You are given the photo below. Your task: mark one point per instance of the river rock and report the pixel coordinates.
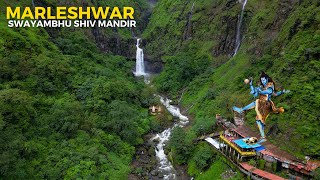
(149, 144)
(156, 140)
(154, 173)
(148, 167)
(153, 160)
(160, 175)
(166, 151)
(144, 161)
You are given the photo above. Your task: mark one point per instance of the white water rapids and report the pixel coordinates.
(238, 35)
(165, 166)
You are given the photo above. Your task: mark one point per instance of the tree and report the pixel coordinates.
(124, 121)
(180, 144)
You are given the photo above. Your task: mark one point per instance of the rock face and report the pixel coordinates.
(227, 38)
(218, 19)
(112, 42)
(153, 66)
(117, 41)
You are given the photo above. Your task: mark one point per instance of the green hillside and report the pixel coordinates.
(70, 107)
(279, 37)
(68, 110)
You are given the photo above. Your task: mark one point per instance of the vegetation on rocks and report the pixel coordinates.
(70, 107)
(279, 37)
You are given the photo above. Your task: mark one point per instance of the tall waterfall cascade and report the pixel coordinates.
(165, 166)
(238, 35)
(140, 70)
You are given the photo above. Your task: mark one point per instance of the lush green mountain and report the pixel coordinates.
(68, 110)
(70, 107)
(196, 45)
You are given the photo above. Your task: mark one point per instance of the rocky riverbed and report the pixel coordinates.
(145, 163)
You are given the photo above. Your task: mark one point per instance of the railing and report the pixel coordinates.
(236, 148)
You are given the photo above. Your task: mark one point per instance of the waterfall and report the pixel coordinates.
(188, 29)
(165, 166)
(139, 60)
(238, 36)
(140, 70)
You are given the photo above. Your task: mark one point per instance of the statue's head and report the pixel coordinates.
(265, 79)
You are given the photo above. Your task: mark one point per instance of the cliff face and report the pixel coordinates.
(177, 24)
(121, 41)
(280, 37)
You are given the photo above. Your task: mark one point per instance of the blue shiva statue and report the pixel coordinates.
(263, 104)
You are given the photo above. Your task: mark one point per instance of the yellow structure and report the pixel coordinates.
(233, 146)
(154, 110)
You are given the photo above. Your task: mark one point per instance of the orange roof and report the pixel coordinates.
(260, 172)
(312, 165)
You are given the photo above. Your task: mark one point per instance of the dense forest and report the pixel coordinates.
(71, 108)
